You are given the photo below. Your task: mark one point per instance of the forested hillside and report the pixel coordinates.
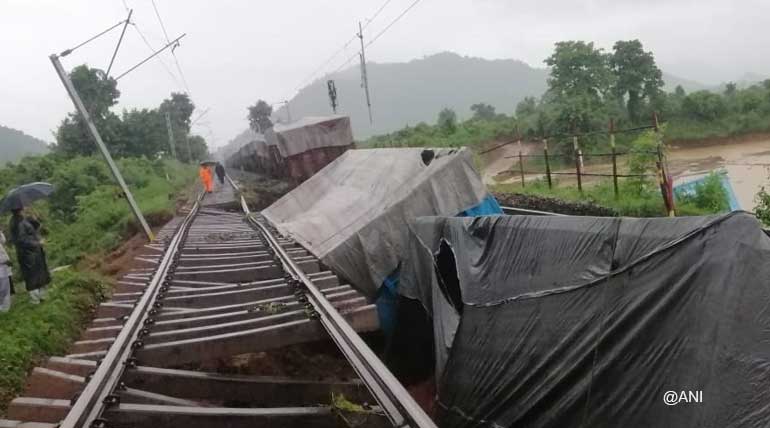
(413, 92)
(15, 144)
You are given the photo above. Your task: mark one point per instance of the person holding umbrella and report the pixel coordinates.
(220, 170)
(6, 286)
(24, 234)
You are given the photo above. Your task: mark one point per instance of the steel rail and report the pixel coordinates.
(97, 394)
(395, 400)
(525, 211)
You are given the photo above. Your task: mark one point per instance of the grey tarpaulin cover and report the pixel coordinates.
(354, 214)
(588, 322)
(310, 133)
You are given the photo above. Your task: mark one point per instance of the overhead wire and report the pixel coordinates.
(343, 48)
(162, 27)
(70, 50)
(149, 46)
(176, 60)
(374, 39)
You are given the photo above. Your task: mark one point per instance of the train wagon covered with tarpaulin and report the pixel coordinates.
(309, 144)
(354, 214)
(596, 322)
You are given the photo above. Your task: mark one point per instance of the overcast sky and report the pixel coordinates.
(237, 51)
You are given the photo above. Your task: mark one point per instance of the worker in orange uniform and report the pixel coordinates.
(205, 174)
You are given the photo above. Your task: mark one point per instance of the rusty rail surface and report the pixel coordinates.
(216, 285)
(400, 407)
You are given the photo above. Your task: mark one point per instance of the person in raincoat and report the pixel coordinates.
(220, 170)
(29, 250)
(205, 174)
(6, 284)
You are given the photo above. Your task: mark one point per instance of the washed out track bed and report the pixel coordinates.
(205, 331)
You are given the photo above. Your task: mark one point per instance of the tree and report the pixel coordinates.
(704, 105)
(636, 76)
(483, 111)
(259, 116)
(180, 109)
(143, 134)
(579, 82)
(198, 147)
(731, 89)
(578, 69)
(526, 107)
(447, 120)
(98, 93)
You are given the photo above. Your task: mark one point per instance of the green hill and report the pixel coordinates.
(415, 91)
(15, 144)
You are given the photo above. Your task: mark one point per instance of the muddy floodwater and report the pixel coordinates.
(747, 164)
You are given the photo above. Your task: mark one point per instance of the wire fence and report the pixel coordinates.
(549, 165)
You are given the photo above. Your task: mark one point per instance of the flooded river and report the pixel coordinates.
(747, 164)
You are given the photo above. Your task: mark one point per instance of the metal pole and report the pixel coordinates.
(70, 87)
(332, 94)
(578, 161)
(151, 56)
(364, 77)
(171, 136)
(521, 168)
(614, 158)
(547, 163)
(122, 33)
(288, 111)
(665, 186)
(189, 150)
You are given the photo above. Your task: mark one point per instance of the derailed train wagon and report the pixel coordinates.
(595, 322)
(309, 144)
(297, 150)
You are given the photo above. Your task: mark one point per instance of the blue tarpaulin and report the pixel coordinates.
(689, 188)
(387, 296)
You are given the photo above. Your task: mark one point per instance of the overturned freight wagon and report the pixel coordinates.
(300, 149)
(595, 322)
(354, 214)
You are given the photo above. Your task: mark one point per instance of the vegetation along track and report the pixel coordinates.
(216, 284)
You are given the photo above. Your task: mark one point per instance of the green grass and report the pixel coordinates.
(634, 199)
(86, 217)
(29, 333)
(87, 213)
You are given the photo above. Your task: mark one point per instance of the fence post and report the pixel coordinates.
(614, 158)
(578, 159)
(666, 188)
(547, 163)
(521, 168)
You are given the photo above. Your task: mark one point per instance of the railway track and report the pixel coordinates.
(217, 284)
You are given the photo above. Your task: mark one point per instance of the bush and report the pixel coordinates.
(709, 195)
(87, 213)
(762, 210)
(29, 332)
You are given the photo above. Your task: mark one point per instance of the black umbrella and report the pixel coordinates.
(24, 195)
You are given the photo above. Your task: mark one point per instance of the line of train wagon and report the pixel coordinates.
(297, 150)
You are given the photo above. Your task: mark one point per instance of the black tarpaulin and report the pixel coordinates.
(588, 322)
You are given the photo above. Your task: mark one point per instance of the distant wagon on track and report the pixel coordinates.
(296, 150)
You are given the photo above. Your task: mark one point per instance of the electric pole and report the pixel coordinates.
(332, 94)
(171, 136)
(73, 93)
(364, 77)
(288, 111)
